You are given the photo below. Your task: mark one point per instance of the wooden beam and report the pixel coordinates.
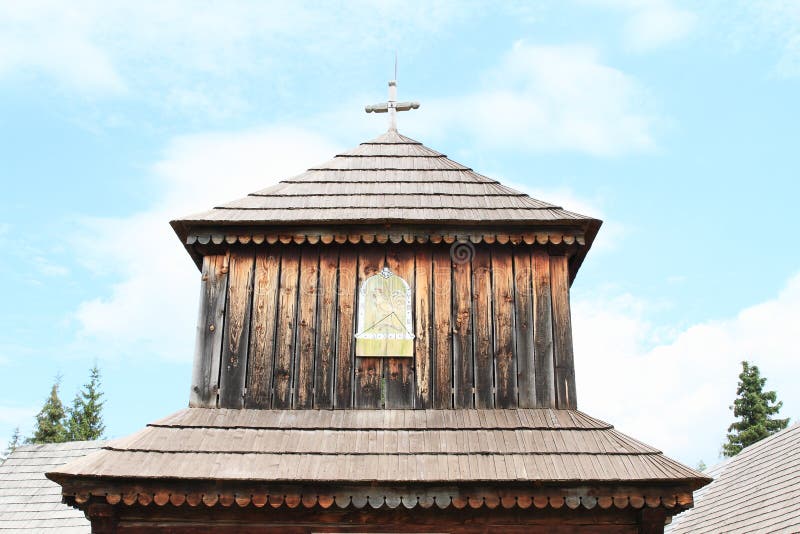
(482, 317)
(208, 344)
(523, 328)
(461, 304)
(652, 520)
(543, 331)
(423, 328)
(306, 327)
(566, 397)
(503, 323)
(286, 328)
(369, 371)
(260, 358)
(399, 372)
(443, 359)
(325, 366)
(237, 330)
(346, 310)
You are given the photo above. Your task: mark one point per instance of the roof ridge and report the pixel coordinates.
(346, 155)
(434, 194)
(460, 208)
(372, 169)
(311, 428)
(388, 453)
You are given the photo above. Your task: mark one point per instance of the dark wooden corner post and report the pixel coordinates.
(208, 347)
(564, 365)
(652, 520)
(103, 518)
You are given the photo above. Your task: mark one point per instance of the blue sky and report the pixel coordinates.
(674, 122)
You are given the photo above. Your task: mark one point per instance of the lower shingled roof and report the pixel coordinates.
(755, 491)
(31, 503)
(382, 446)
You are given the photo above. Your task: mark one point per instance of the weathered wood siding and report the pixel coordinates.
(277, 323)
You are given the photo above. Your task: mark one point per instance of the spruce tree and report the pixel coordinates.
(13, 443)
(85, 416)
(50, 420)
(754, 409)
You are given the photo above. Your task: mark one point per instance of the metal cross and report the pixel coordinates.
(392, 106)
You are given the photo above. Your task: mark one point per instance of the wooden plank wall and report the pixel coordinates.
(277, 323)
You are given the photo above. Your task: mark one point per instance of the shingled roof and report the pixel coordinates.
(395, 448)
(391, 178)
(393, 182)
(755, 491)
(31, 503)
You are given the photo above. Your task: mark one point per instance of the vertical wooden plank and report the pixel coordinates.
(543, 331)
(237, 330)
(562, 335)
(346, 310)
(369, 371)
(286, 327)
(482, 318)
(503, 321)
(398, 372)
(306, 328)
(208, 344)
(463, 358)
(260, 357)
(442, 330)
(523, 328)
(326, 324)
(422, 318)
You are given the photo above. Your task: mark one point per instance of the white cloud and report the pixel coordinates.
(151, 310)
(55, 38)
(652, 24)
(549, 98)
(675, 394)
(198, 54)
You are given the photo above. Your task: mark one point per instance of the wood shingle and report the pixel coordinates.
(29, 502)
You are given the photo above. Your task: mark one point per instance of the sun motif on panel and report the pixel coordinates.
(384, 317)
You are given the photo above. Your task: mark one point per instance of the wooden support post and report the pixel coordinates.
(463, 363)
(286, 328)
(399, 372)
(444, 358)
(369, 371)
(523, 328)
(260, 358)
(652, 520)
(102, 517)
(208, 346)
(346, 310)
(562, 335)
(306, 328)
(543, 331)
(237, 330)
(424, 329)
(482, 323)
(503, 323)
(326, 329)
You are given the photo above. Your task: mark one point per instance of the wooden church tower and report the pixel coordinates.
(383, 344)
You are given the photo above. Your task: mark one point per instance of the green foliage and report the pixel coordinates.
(13, 443)
(701, 466)
(754, 409)
(85, 420)
(50, 420)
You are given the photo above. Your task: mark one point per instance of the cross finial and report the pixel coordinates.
(392, 106)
